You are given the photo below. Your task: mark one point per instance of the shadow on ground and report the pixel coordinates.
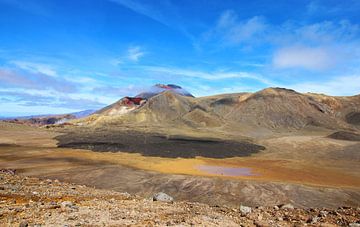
(157, 145)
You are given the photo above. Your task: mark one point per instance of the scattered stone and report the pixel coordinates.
(314, 220)
(24, 224)
(244, 210)
(162, 197)
(287, 206)
(67, 204)
(8, 171)
(323, 213)
(95, 207)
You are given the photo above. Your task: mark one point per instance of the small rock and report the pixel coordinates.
(163, 197)
(67, 204)
(354, 225)
(245, 210)
(126, 194)
(314, 220)
(276, 208)
(323, 213)
(287, 206)
(24, 224)
(261, 224)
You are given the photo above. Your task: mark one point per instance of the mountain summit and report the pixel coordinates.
(159, 88)
(128, 104)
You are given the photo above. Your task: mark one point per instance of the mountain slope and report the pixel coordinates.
(272, 109)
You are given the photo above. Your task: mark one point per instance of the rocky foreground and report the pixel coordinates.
(28, 201)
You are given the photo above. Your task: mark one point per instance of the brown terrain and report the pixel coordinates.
(272, 147)
(34, 202)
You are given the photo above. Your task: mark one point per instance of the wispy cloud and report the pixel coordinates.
(113, 91)
(212, 76)
(143, 8)
(340, 85)
(35, 67)
(63, 101)
(163, 12)
(336, 7)
(23, 79)
(233, 31)
(304, 57)
(135, 53)
(312, 46)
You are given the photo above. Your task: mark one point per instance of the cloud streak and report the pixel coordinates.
(211, 76)
(35, 67)
(23, 79)
(135, 53)
(64, 101)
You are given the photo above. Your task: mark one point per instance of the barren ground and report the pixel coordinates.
(307, 171)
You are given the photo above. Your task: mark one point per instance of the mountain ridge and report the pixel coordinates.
(271, 109)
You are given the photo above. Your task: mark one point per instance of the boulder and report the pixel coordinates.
(245, 210)
(163, 197)
(287, 206)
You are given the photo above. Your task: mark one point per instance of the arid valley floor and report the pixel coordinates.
(306, 179)
(298, 149)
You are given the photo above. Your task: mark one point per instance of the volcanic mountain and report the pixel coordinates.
(127, 104)
(268, 110)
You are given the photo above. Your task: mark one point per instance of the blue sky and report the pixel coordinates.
(61, 56)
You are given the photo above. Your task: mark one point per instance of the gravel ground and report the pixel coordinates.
(28, 201)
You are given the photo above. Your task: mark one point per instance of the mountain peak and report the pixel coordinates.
(159, 88)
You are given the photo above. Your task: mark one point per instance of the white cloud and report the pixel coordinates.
(216, 75)
(142, 8)
(233, 31)
(325, 32)
(116, 61)
(135, 53)
(304, 57)
(36, 67)
(163, 12)
(341, 85)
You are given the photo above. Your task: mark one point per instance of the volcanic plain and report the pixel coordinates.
(272, 147)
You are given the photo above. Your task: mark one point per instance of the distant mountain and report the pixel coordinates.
(83, 113)
(268, 110)
(46, 119)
